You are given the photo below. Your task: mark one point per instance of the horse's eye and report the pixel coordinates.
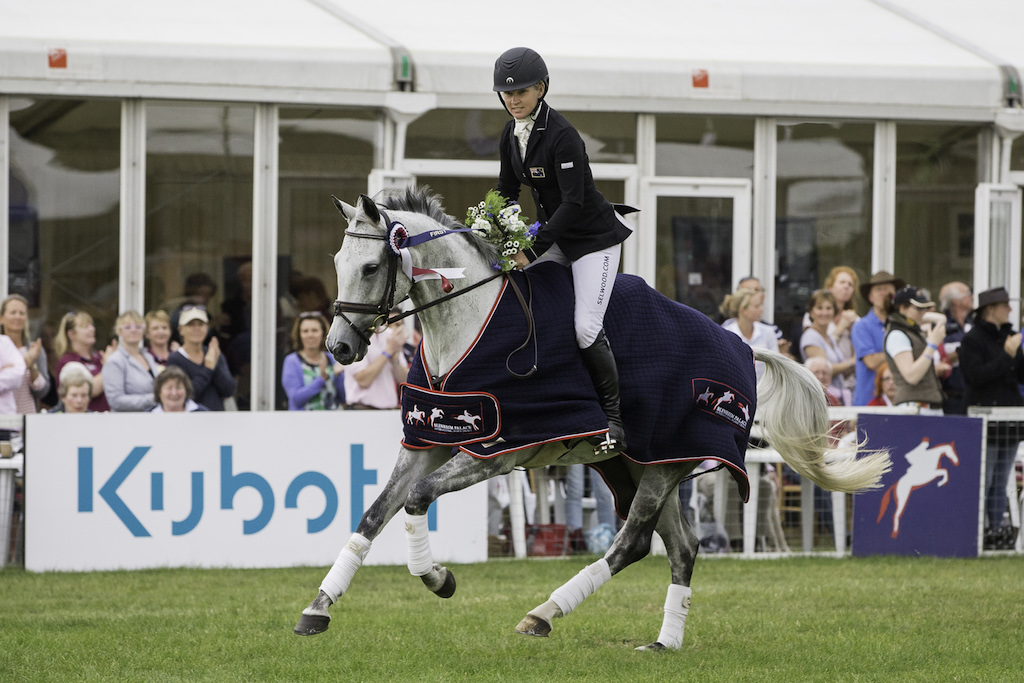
(369, 269)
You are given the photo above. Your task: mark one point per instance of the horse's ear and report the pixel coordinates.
(369, 209)
(347, 210)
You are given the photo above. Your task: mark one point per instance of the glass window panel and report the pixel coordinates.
(322, 152)
(199, 180)
(704, 146)
(475, 134)
(823, 211)
(694, 253)
(64, 212)
(1017, 154)
(936, 175)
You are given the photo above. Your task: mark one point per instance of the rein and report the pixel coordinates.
(398, 240)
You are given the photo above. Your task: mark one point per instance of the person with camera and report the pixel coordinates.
(911, 351)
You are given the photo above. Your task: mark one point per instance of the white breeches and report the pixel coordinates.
(593, 277)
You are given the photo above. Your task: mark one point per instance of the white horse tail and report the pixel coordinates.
(793, 413)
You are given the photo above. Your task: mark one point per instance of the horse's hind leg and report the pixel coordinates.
(632, 543)
(682, 546)
(410, 467)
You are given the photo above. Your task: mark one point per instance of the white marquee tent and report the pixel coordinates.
(926, 59)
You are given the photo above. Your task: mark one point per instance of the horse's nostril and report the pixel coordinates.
(342, 350)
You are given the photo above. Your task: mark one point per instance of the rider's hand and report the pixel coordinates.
(521, 260)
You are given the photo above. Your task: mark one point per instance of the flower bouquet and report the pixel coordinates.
(503, 225)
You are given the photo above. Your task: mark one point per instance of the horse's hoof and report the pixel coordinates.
(653, 647)
(312, 624)
(447, 588)
(533, 626)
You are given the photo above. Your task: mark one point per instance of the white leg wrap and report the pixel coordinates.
(578, 588)
(349, 560)
(677, 606)
(420, 560)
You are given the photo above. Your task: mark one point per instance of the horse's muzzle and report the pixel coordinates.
(344, 344)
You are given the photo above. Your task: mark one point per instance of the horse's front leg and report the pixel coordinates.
(632, 543)
(411, 466)
(460, 472)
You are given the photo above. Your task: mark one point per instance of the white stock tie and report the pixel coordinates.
(522, 133)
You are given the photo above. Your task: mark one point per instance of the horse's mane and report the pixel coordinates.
(424, 200)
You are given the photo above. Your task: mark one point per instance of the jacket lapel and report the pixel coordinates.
(539, 125)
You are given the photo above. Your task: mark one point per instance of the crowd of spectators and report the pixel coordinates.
(905, 352)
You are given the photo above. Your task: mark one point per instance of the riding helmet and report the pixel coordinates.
(518, 68)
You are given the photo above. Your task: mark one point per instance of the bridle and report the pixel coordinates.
(398, 239)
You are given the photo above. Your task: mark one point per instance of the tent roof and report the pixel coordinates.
(853, 58)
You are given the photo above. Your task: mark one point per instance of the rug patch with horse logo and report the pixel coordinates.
(722, 401)
(434, 418)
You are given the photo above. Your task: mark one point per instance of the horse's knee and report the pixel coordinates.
(419, 499)
(626, 550)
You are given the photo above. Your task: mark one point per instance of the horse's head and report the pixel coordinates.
(370, 280)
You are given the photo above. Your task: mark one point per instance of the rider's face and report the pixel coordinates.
(521, 103)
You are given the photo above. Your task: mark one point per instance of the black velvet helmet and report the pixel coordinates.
(519, 68)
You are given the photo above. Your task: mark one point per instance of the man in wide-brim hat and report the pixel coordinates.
(868, 333)
(993, 368)
(882, 277)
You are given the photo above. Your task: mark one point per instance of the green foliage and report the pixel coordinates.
(502, 225)
(816, 619)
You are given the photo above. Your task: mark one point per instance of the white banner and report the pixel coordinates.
(139, 490)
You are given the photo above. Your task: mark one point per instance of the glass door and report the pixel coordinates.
(997, 240)
(697, 238)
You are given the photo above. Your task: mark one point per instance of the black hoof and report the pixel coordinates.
(653, 647)
(312, 624)
(447, 589)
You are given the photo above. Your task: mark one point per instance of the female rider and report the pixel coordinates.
(580, 228)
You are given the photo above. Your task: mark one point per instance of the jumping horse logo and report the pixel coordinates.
(726, 398)
(469, 419)
(924, 468)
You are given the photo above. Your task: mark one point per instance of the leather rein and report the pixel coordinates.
(382, 309)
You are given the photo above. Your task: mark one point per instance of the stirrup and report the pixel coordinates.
(604, 444)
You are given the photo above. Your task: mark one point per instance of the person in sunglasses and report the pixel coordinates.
(130, 370)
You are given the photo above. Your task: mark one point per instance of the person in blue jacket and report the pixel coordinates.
(579, 227)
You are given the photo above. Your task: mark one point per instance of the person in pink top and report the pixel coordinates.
(76, 337)
(36, 382)
(12, 373)
(372, 383)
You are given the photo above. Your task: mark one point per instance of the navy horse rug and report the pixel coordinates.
(687, 387)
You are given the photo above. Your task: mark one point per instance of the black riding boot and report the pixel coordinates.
(601, 365)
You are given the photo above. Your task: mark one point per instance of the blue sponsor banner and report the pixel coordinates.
(929, 503)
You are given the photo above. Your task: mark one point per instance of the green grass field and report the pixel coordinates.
(815, 619)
